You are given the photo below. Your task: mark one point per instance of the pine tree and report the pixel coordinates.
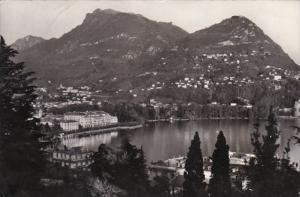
(193, 185)
(220, 185)
(21, 158)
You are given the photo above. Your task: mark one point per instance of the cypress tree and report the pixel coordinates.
(220, 185)
(21, 159)
(193, 185)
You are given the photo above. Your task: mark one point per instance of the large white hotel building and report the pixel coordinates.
(91, 118)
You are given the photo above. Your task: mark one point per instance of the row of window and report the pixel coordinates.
(68, 156)
(76, 164)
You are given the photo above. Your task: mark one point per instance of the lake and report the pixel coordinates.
(164, 140)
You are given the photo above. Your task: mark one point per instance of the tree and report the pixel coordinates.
(180, 111)
(56, 126)
(125, 168)
(269, 175)
(45, 128)
(102, 165)
(288, 176)
(161, 187)
(263, 168)
(131, 173)
(22, 160)
(193, 185)
(220, 185)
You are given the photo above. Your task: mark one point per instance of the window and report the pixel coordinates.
(54, 155)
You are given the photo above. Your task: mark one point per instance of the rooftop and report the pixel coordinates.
(68, 121)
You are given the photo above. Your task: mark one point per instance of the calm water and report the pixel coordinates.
(164, 140)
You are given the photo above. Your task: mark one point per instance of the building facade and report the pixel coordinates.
(91, 119)
(69, 125)
(76, 116)
(73, 158)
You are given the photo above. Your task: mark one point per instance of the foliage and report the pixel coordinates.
(66, 182)
(102, 165)
(74, 107)
(22, 160)
(269, 175)
(193, 185)
(220, 185)
(161, 186)
(125, 168)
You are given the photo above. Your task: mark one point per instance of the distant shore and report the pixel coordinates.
(213, 118)
(193, 119)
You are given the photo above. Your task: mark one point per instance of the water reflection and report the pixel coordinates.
(164, 140)
(91, 142)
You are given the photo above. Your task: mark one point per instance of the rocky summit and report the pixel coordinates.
(26, 42)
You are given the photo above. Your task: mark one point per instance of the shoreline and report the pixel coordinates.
(141, 125)
(100, 131)
(215, 118)
(195, 119)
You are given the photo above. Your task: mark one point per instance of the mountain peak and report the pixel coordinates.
(106, 11)
(27, 42)
(237, 20)
(239, 17)
(235, 30)
(99, 15)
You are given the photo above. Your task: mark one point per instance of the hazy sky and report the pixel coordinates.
(279, 19)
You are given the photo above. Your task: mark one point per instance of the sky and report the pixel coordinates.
(279, 19)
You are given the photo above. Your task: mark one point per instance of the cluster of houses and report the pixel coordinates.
(80, 94)
(68, 95)
(272, 74)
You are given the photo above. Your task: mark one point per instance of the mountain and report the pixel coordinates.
(108, 45)
(234, 41)
(231, 59)
(26, 42)
(128, 56)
